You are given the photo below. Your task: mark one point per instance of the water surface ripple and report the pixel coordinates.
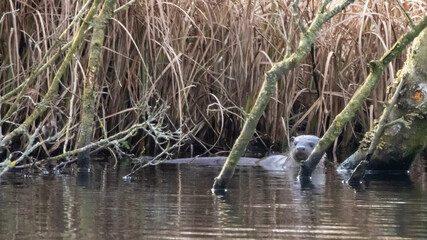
(174, 202)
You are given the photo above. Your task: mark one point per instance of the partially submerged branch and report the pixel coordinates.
(359, 171)
(402, 131)
(90, 83)
(167, 141)
(269, 86)
(8, 163)
(308, 166)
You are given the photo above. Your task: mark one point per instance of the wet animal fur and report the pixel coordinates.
(300, 148)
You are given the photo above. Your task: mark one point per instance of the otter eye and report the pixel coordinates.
(295, 143)
(312, 145)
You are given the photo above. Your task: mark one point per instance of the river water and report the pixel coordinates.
(175, 202)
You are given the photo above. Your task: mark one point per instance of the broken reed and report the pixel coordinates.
(206, 60)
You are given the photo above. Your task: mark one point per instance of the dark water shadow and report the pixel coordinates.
(17, 179)
(395, 179)
(400, 178)
(83, 179)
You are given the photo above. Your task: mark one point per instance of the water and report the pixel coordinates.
(174, 202)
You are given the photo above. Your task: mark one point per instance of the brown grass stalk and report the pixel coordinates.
(193, 54)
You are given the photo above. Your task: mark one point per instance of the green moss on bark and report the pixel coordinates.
(95, 58)
(308, 166)
(268, 88)
(53, 89)
(406, 132)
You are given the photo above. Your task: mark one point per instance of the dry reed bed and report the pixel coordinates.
(206, 60)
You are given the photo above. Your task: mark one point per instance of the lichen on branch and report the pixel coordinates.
(376, 69)
(269, 86)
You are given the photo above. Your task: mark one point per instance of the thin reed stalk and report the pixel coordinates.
(205, 60)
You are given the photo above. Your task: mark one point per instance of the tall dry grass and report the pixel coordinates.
(206, 60)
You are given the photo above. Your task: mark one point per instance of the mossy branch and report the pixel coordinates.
(173, 140)
(53, 89)
(28, 82)
(43, 64)
(268, 88)
(113, 140)
(377, 67)
(95, 59)
(296, 16)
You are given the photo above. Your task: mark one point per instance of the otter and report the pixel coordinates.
(302, 146)
(299, 150)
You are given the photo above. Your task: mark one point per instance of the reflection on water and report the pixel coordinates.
(174, 202)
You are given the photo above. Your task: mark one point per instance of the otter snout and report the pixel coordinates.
(300, 155)
(301, 149)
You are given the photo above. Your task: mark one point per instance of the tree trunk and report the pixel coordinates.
(308, 166)
(405, 133)
(88, 111)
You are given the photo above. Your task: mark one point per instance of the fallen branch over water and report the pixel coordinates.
(172, 139)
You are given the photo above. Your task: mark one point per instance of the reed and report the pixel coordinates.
(206, 60)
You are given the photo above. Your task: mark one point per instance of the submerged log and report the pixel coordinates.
(211, 161)
(405, 131)
(269, 163)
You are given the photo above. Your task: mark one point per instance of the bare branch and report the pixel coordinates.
(406, 13)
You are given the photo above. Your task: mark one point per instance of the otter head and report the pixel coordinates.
(302, 146)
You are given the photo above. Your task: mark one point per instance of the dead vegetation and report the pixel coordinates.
(204, 62)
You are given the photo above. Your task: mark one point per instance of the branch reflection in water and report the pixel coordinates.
(173, 201)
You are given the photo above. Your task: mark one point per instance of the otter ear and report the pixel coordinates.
(292, 139)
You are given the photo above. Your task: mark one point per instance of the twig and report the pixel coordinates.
(296, 16)
(44, 65)
(398, 121)
(29, 149)
(404, 11)
(382, 122)
(64, 164)
(125, 6)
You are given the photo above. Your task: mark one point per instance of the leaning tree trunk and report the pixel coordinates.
(278, 70)
(308, 166)
(88, 111)
(405, 130)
